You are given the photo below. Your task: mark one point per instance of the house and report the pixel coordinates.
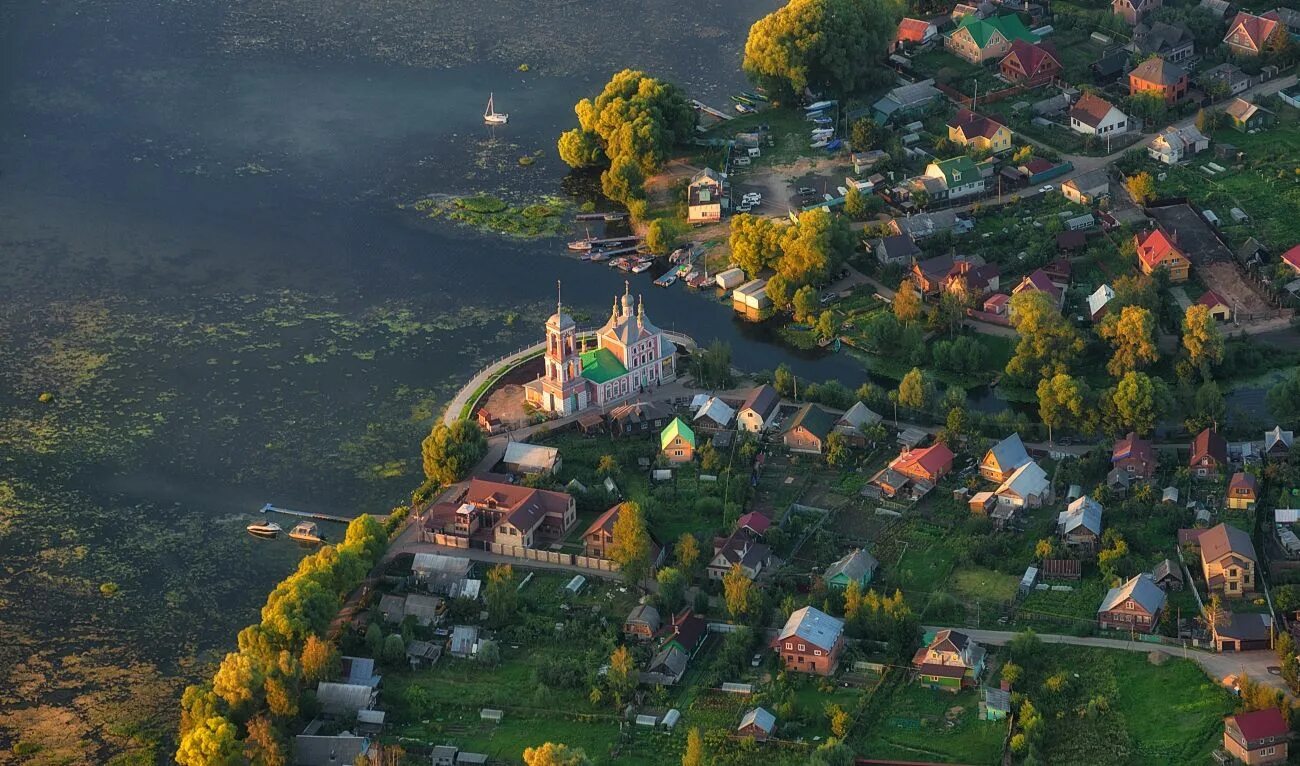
(972, 278)
(930, 274)
(1080, 524)
(1087, 188)
(810, 642)
(463, 642)
(1099, 302)
(1277, 443)
(359, 671)
(1093, 115)
(638, 418)
(978, 40)
(905, 100)
(759, 410)
(1135, 457)
(1243, 632)
(667, 666)
(897, 249)
(425, 610)
(516, 515)
(1027, 487)
(1219, 9)
(1109, 67)
(1216, 305)
(1004, 458)
(1245, 116)
(1172, 42)
(642, 622)
(340, 700)
(740, 547)
(1291, 258)
(335, 750)
(926, 465)
(1290, 18)
(951, 661)
(1030, 64)
(439, 573)
(677, 442)
(997, 304)
(959, 175)
(488, 422)
(755, 522)
(1039, 282)
(1228, 560)
(1135, 606)
(1157, 250)
(887, 483)
(1168, 575)
(808, 430)
(921, 225)
(1251, 35)
(855, 422)
(1163, 78)
(757, 723)
(1175, 144)
(1258, 737)
(983, 133)
(1133, 11)
(599, 537)
(531, 459)
(915, 32)
(1243, 491)
(706, 195)
(714, 414)
(855, 566)
(1224, 80)
(1209, 454)
(685, 632)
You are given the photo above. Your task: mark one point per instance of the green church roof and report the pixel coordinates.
(673, 430)
(601, 366)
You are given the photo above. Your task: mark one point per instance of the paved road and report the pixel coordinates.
(1218, 666)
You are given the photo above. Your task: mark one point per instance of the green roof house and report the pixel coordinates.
(677, 441)
(857, 566)
(960, 177)
(978, 40)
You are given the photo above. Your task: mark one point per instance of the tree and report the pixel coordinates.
(210, 743)
(687, 551)
(554, 754)
(607, 466)
(865, 135)
(489, 653)
(282, 696)
(840, 720)
(1011, 673)
(855, 204)
(1135, 403)
(451, 451)
(263, 745)
(319, 660)
(755, 243)
(1022, 155)
(1208, 407)
(634, 116)
(825, 326)
(805, 303)
(1141, 187)
(694, 755)
(622, 675)
(374, 639)
(394, 649)
(837, 450)
(739, 591)
(501, 594)
(1044, 549)
(779, 291)
(1215, 615)
(1201, 337)
(812, 249)
(914, 390)
(238, 680)
(623, 180)
(672, 588)
(1061, 402)
(907, 302)
(1048, 342)
(658, 238)
(825, 45)
(631, 546)
(783, 380)
(1132, 333)
(1283, 399)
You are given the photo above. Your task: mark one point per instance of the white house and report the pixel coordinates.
(1175, 144)
(1093, 115)
(706, 197)
(1028, 487)
(759, 409)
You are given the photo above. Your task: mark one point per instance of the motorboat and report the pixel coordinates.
(642, 265)
(306, 532)
(820, 105)
(267, 529)
(667, 279)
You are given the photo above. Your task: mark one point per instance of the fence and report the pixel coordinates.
(987, 98)
(551, 557)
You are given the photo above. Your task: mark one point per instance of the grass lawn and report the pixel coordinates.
(956, 72)
(921, 560)
(914, 726)
(984, 584)
(1072, 611)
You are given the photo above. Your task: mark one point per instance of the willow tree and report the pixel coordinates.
(833, 46)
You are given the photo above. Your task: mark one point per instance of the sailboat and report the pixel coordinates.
(491, 116)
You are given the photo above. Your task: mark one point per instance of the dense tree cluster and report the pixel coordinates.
(277, 655)
(1048, 342)
(630, 128)
(804, 253)
(451, 451)
(831, 46)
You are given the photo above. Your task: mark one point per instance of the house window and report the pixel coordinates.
(801, 648)
(789, 645)
(1128, 605)
(817, 652)
(1268, 751)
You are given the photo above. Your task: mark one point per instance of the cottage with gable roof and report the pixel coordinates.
(1004, 458)
(1258, 738)
(677, 442)
(1209, 455)
(979, 39)
(1134, 606)
(1157, 250)
(1252, 35)
(759, 409)
(1030, 64)
(810, 642)
(855, 566)
(984, 133)
(1080, 525)
(1228, 560)
(707, 197)
(1133, 11)
(808, 430)
(1093, 115)
(951, 661)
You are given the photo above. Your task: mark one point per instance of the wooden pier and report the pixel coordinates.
(268, 508)
(703, 107)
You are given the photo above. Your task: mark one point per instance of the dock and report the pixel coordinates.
(600, 216)
(268, 508)
(613, 240)
(703, 107)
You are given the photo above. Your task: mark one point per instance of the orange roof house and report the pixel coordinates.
(1155, 75)
(1156, 250)
(1251, 35)
(928, 464)
(1030, 63)
(915, 31)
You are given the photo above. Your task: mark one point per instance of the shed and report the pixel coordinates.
(576, 584)
(670, 719)
(997, 704)
(730, 279)
(444, 755)
(464, 640)
(757, 723)
(647, 720)
(470, 759)
(370, 721)
(1029, 579)
(491, 714)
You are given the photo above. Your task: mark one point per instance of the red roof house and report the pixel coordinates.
(928, 464)
(1209, 453)
(1155, 75)
(997, 304)
(1157, 250)
(1039, 282)
(754, 522)
(1135, 456)
(1218, 307)
(1292, 258)
(1030, 63)
(1257, 737)
(1251, 35)
(916, 31)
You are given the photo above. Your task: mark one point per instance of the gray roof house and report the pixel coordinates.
(757, 721)
(463, 640)
(359, 671)
(1004, 458)
(855, 566)
(338, 750)
(814, 626)
(666, 667)
(1081, 521)
(898, 248)
(905, 99)
(1142, 591)
(344, 700)
(857, 418)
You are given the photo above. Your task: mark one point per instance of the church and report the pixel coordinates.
(630, 355)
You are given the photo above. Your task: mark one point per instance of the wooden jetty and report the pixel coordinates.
(597, 216)
(268, 508)
(703, 107)
(613, 241)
